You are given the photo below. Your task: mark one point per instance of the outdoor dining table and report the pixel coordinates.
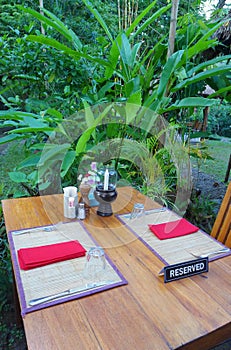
(143, 312)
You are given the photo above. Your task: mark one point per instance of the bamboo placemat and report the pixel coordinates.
(56, 277)
(173, 250)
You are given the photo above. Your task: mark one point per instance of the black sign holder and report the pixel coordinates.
(185, 269)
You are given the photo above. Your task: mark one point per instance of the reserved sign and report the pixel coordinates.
(185, 269)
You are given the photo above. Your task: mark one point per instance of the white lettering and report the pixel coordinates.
(199, 266)
(184, 270)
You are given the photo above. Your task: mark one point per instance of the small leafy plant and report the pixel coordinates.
(201, 212)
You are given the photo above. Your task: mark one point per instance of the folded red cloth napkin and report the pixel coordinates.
(173, 229)
(30, 258)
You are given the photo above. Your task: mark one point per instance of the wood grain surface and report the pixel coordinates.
(146, 314)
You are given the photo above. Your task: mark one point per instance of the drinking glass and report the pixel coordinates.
(95, 266)
(137, 211)
(137, 220)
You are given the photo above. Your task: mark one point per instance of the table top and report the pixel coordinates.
(192, 313)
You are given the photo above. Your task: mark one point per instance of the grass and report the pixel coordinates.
(220, 152)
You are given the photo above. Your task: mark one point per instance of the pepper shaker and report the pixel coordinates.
(81, 212)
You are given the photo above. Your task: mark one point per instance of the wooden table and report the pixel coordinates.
(192, 313)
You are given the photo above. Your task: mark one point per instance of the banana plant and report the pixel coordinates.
(33, 130)
(132, 71)
(128, 72)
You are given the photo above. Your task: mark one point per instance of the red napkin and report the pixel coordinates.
(173, 229)
(30, 258)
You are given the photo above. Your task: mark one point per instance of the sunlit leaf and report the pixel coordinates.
(18, 176)
(67, 162)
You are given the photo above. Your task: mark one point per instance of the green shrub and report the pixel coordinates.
(220, 119)
(201, 212)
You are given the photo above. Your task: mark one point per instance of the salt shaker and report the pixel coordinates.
(70, 202)
(81, 212)
(71, 208)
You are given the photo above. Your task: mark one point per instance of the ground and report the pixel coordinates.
(209, 187)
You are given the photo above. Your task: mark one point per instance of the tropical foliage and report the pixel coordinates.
(69, 73)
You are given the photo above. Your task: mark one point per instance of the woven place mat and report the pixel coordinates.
(173, 250)
(56, 277)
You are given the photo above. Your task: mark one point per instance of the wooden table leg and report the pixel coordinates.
(228, 170)
(16, 304)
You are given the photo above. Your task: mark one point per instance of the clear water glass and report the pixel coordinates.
(137, 211)
(138, 219)
(95, 266)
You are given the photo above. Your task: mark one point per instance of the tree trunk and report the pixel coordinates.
(221, 4)
(42, 13)
(172, 29)
(205, 118)
(119, 15)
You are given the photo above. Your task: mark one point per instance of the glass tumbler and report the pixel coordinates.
(95, 266)
(137, 220)
(137, 211)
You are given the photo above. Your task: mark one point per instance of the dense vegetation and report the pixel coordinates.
(55, 64)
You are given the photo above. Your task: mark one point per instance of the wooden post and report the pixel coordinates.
(205, 118)
(228, 169)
